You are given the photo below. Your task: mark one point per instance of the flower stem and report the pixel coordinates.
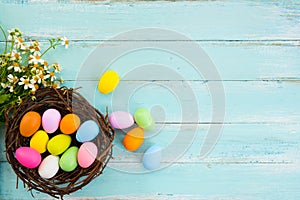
(3, 32)
(51, 46)
(12, 47)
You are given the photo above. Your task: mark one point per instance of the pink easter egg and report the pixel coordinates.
(50, 120)
(87, 154)
(28, 157)
(121, 120)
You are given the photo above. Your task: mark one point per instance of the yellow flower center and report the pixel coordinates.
(51, 74)
(26, 82)
(16, 64)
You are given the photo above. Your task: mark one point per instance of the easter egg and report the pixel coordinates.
(87, 154)
(121, 120)
(30, 123)
(152, 158)
(50, 120)
(108, 82)
(49, 166)
(39, 141)
(58, 144)
(69, 123)
(87, 131)
(133, 139)
(68, 161)
(144, 119)
(28, 157)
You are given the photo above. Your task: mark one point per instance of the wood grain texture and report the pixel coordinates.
(255, 46)
(243, 143)
(236, 61)
(208, 20)
(246, 101)
(235, 181)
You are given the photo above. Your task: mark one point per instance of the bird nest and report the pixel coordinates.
(65, 101)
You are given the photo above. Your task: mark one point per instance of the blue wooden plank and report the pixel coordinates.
(257, 155)
(262, 143)
(234, 61)
(200, 20)
(252, 181)
(246, 102)
(244, 143)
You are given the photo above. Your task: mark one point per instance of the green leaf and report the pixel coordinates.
(4, 98)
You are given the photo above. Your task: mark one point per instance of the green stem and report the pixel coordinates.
(25, 61)
(12, 46)
(3, 32)
(52, 46)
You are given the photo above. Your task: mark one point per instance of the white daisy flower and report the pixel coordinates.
(12, 79)
(15, 55)
(65, 42)
(35, 59)
(19, 43)
(52, 76)
(15, 67)
(40, 78)
(26, 82)
(13, 34)
(34, 47)
(36, 69)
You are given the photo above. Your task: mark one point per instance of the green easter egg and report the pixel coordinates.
(68, 161)
(144, 119)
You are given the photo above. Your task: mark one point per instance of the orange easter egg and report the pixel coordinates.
(69, 124)
(30, 123)
(133, 139)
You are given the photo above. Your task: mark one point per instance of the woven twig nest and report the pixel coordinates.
(65, 101)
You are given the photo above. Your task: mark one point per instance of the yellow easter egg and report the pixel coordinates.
(39, 141)
(108, 82)
(58, 144)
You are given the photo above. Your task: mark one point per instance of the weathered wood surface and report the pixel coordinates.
(255, 47)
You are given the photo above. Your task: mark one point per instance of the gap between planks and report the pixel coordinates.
(238, 42)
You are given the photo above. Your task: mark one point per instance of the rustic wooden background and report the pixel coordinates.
(255, 45)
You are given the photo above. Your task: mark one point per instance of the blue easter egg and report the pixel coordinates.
(87, 131)
(152, 157)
